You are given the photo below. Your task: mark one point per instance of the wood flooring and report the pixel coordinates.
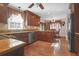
(41, 48)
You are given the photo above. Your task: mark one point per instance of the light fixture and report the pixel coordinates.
(37, 4)
(19, 8)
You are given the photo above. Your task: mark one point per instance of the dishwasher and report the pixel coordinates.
(31, 37)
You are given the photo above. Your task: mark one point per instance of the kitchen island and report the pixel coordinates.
(23, 35)
(11, 47)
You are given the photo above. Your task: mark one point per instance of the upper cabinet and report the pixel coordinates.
(76, 8)
(32, 19)
(3, 14)
(6, 12)
(15, 12)
(76, 17)
(75, 24)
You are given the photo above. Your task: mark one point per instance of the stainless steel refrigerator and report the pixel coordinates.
(70, 32)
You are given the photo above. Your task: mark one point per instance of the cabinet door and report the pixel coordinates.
(76, 18)
(22, 36)
(3, 14)
(29, 19)
(48, 36)
(76, 23)
(76, 27)
(15, 12)
(37, 21)
(32, 19)
(77, 44)
(44, 36)
(76, 7)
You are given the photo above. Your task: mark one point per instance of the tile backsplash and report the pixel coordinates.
(3, 26)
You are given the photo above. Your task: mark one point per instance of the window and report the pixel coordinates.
(15, 22)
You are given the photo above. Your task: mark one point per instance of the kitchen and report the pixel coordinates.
(24, 30)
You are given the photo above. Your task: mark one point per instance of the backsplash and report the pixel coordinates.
(3, 26)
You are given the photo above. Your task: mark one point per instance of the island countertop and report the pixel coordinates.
(9, 44)
(16, 31)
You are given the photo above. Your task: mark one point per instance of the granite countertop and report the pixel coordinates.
(9, 44)
(21, 31)
(16, 31)
(26, 29)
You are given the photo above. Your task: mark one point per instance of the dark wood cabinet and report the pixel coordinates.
(22, 36)
(3, 15)
(75, 8)
(76, 17)
(77, 44)
(76, 23)
(45, 36)
(6, 12)
(32, 19)
(29, 17)
(15, 12)
(28, 37)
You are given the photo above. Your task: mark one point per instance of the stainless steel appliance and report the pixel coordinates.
(70, 32)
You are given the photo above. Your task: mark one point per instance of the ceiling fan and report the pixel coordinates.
(38, 4)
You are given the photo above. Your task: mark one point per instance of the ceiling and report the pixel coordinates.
(51, 10)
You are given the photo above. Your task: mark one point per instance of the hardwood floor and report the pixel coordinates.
(41, 48)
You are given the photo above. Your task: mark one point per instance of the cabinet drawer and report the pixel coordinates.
(77, 44)
(22, 36)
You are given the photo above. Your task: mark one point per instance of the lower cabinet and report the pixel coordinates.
(46, 36)
(22, 36)
(77, 44)
(28, 37)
